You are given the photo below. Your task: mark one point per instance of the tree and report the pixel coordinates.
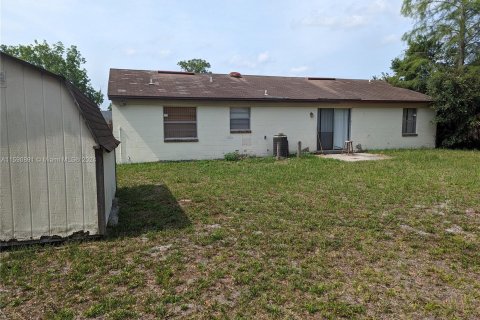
(456, 92)
(413, 70)
(443, 61)
(457, 102)
(194, 65)
(453, 23)
(55, 58)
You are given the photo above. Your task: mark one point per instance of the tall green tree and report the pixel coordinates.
(454, 23)
(443, 61)
(194, 65)
(58, 59)
(413, 70)
(457, 102)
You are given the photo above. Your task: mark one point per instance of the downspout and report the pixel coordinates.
(122, 143)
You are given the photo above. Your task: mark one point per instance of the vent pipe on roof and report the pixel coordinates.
(176, 72)
(320, 78)
(211, 79)
(266, 93)
(151, 82)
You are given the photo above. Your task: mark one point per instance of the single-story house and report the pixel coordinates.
(57, 158)
(162, 115)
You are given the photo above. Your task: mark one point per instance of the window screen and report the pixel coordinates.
(180, 123)
(409, 125)
(239, 119)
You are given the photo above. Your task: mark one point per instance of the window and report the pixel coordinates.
(409, 125)
(240, 120)
(180, 124)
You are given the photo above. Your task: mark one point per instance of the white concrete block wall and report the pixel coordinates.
(381, 128)
(139, 126)
(109, 178)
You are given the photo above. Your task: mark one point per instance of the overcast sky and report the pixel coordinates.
(348, 38)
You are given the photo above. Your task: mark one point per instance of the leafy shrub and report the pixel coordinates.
(232, 156)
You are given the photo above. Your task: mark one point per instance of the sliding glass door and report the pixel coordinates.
(333, 128)
(325, 129)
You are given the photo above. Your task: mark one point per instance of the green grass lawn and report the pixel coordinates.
(300, 238)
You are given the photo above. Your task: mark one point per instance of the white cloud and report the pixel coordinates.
(391, 38)
(354, 21)
(250, 62)
(298, 69)
(164, 53)
(347, 14)
(319, 19)
(130, 51)
(263, 57)
(378, 6)
(239, 61)
(133, 51)
(383, 7)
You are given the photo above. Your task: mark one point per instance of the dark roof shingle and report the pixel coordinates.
(93, 117)
(124, 83)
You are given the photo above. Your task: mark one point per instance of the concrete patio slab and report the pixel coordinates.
(355, 157)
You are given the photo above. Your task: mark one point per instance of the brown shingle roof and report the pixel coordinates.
(125, 83)
(88, 109)
(94, 119)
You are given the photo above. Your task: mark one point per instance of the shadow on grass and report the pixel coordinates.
(147, 208)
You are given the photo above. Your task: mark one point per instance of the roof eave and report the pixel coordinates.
(269, 99)
(69, 87)
(266, 99)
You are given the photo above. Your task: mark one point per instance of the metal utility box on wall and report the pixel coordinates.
(57, 157)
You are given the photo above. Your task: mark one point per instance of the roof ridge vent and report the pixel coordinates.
(235, 74)
(176, 72)
(320, 78)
